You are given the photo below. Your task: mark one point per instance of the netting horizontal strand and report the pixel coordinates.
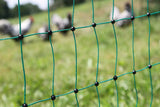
(86, 87)
(2, 39)
(39, 101)
(153, 13)
(65, 94)
(155, 64)
(101, 82)
(81, 27)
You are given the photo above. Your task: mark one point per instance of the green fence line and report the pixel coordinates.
(149, 55)
(94, 25)
(50, 34)
(96, 36)
(133, 55)
(24, 75)
(81, 27)
(100, 83)
(75, 45)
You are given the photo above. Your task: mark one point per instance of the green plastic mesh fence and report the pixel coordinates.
(96, 84)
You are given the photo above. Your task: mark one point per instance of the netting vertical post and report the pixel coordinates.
(115, 77)
(21, 48)
(50, 39)
(75, 44)
(49, 26)
(149, 55)
(94, 25)
(134, 71)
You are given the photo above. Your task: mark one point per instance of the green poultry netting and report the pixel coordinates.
(97, 83)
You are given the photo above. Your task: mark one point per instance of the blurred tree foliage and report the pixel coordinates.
(4, 9)
(154, 5)
(70, 2)
(60, 3)
(26, 9)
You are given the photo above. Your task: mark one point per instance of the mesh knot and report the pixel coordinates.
(149, 66)
(113, 21)
(24, 105)
(134, 71)
(115, 77)
(53, 97)
(73, 28)
(96, 83)
(75, 90)
(94, 24)
(49, 32)
(20, 36)
(132, 18)
(148, 14)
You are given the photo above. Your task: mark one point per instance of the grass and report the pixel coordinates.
(38, 62)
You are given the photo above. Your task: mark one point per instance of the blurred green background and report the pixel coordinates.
(38, 60)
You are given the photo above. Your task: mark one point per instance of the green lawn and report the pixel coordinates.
(38, 62)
